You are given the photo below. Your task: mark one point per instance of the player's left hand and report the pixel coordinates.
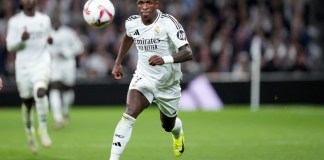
(156, 60)
(50, 40)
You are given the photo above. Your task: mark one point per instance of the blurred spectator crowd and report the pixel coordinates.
(219, 31)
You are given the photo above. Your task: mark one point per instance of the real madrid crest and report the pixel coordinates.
(156, 30)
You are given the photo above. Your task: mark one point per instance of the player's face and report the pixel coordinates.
(56, 24)
(147, 9)
(29, 4)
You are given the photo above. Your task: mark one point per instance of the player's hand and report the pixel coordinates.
(117, 72)
(50, 40)
(25, 34)
(61, 55)
(156, 60)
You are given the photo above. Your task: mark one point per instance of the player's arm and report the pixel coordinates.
(48, 30)
(184, 54)
(178, 37)
(73, 45)
(14, 40)
(77, 45)
(117, 71)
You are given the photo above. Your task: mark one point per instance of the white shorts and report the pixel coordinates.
(31, 78)
(64, 71)
(166, 98)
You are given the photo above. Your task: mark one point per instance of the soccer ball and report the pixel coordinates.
(98, 13)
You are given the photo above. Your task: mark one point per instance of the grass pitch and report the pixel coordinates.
(283, 132)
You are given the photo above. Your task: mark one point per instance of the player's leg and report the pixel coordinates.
(27, 115)
(68, 81)
(136, 103)
(174, 125)
(168, 100)
(55, 98)
(24, 86)
(68, 99)
(42, 107)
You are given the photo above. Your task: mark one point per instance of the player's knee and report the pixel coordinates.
(68, 88)
(167, 127)
(28, 102)
(41, 92)
(57, 85)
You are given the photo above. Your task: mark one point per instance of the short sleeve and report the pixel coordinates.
(127, 26)
(131, 23)
(176, 32)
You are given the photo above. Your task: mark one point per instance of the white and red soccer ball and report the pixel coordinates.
(98, 13)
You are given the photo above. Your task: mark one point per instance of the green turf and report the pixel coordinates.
(235, 133)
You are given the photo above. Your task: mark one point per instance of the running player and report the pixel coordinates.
(162, 45)
(28, 36)
(64, 50)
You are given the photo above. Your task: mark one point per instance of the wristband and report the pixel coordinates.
(168, 59)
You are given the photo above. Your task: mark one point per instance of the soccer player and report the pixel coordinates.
(66, 46)
(29, 36)
(162, 45)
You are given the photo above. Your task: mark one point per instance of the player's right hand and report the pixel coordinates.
(50, 40)
(156, 60)
(25, 34)
(117, 72)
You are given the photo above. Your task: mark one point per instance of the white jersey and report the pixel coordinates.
(35, 49)
(67, 43)
(32, 56)
(163, 37)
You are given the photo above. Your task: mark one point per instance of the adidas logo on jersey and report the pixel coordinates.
(136, 32)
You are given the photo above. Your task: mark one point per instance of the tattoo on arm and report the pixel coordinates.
(184, 54)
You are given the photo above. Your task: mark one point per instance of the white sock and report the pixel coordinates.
(42, 111)
(27, 115)
(177, 129)
(56, 105)
(122, 136)
(68, 100)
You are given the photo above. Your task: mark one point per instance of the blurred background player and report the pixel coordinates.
(66, 46)
(28, 36)
(162, 45)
